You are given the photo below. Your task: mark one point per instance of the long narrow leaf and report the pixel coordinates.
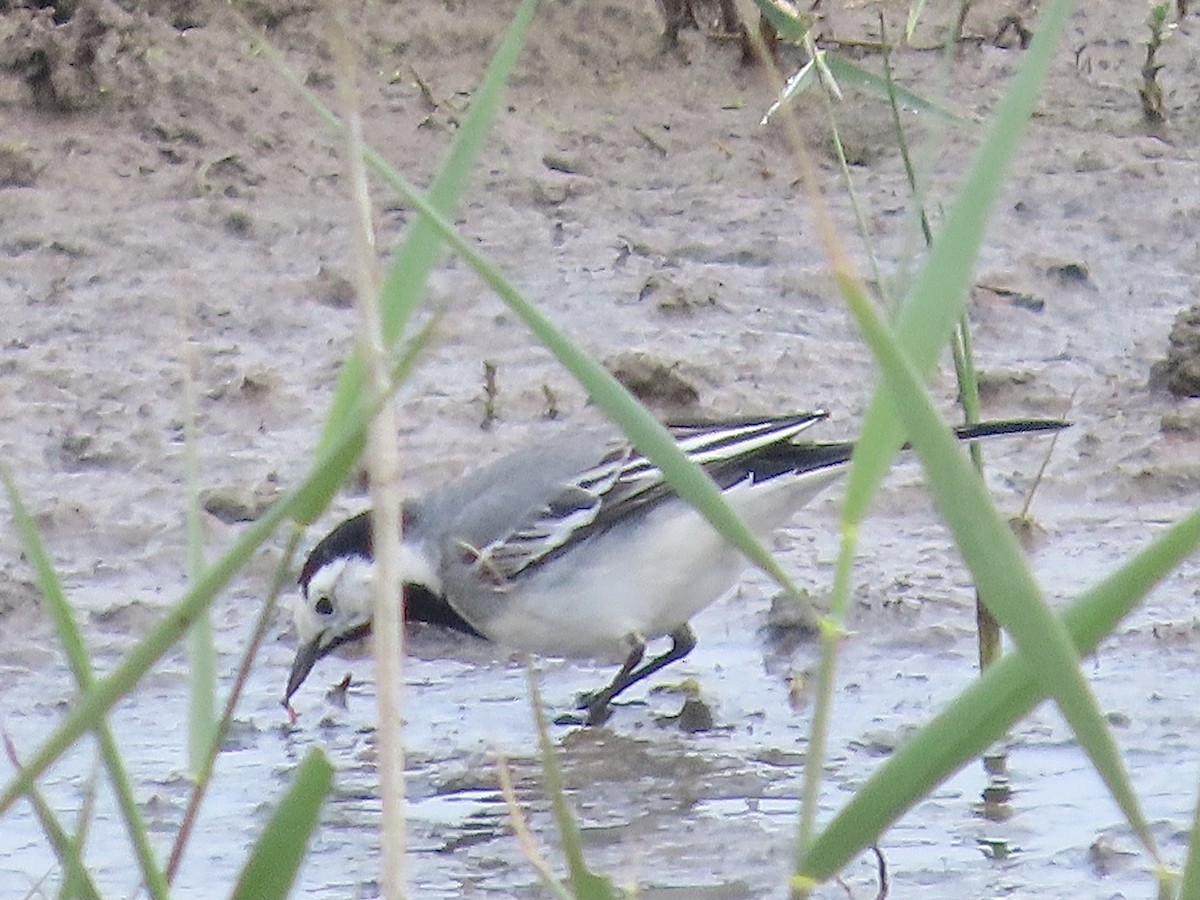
(650, 437)
(1189, 889)
(330, 465)
(986, 709)
(77, 881)
(405, 284)
(280, 849)
(867, 82)
(585, 884)
(991, 552)
(59, 607)
(990, 706)
(938, 296)
(202, 651)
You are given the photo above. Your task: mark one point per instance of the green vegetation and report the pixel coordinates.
(1045, 663)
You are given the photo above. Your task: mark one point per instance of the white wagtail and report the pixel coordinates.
(577, 546)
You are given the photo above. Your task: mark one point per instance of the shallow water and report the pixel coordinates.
(710, 815)
(113, 293)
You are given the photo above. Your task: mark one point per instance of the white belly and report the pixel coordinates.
(644, 581)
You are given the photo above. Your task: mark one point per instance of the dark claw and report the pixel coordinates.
(598, 714)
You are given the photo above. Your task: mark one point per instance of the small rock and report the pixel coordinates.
(1021, 299)
(336, 695)
(787, 613)
(1028, 532)
(1069, 272)
(333, 289)
(653, 381)
(559, 162)
(1179, 373)
(1183, 422)
(994, 383)
(237, 504)
(695, 717)
(1090, 161)
(239, 223)
(671, 297)
(17, 168)
(551, 192)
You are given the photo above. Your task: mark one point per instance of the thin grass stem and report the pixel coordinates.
(59, 607)
(202, 661)
(221, 730)
(525, 839)
(76, 880)
(332, 462)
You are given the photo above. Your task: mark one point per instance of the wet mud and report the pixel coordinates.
(175, 219)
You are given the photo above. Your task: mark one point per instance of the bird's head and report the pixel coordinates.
(336, 601)
(335, 604)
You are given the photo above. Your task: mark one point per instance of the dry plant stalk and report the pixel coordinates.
(383, 464)
(525, 838)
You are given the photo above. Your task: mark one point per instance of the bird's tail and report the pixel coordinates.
(999, 427)
(799, 457)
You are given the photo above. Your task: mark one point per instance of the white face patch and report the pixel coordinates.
(340, 599)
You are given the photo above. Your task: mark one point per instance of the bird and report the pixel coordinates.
(577, 546)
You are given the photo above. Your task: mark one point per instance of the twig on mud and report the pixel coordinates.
(423, 87)
(654, 145)
(490, 392)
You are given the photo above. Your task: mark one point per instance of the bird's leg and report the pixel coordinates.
(596, 702)
(683, 640)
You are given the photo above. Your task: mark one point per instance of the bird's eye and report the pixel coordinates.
(324, 606)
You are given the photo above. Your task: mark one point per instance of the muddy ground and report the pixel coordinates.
(170, 206)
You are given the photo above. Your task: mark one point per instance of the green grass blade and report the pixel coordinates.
(77, 882)
(986, 709)
(279, 850)
(992, 553)
(867, 82)
(914, 16)
(790, 24)
(405, 283)
(927, 317)
(1189, 888)
(49, 584)
(59, 608)
(639, 425)
(939, 294)
(202, 653)
(330, 465)
(203, 777)
(802, 80)
(585, 884)
(85, 820)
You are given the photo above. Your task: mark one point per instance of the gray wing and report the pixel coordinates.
(539, 502)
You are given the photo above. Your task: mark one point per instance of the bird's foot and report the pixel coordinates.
(593, 709)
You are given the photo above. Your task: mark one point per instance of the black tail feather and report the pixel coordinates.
(791, 457)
